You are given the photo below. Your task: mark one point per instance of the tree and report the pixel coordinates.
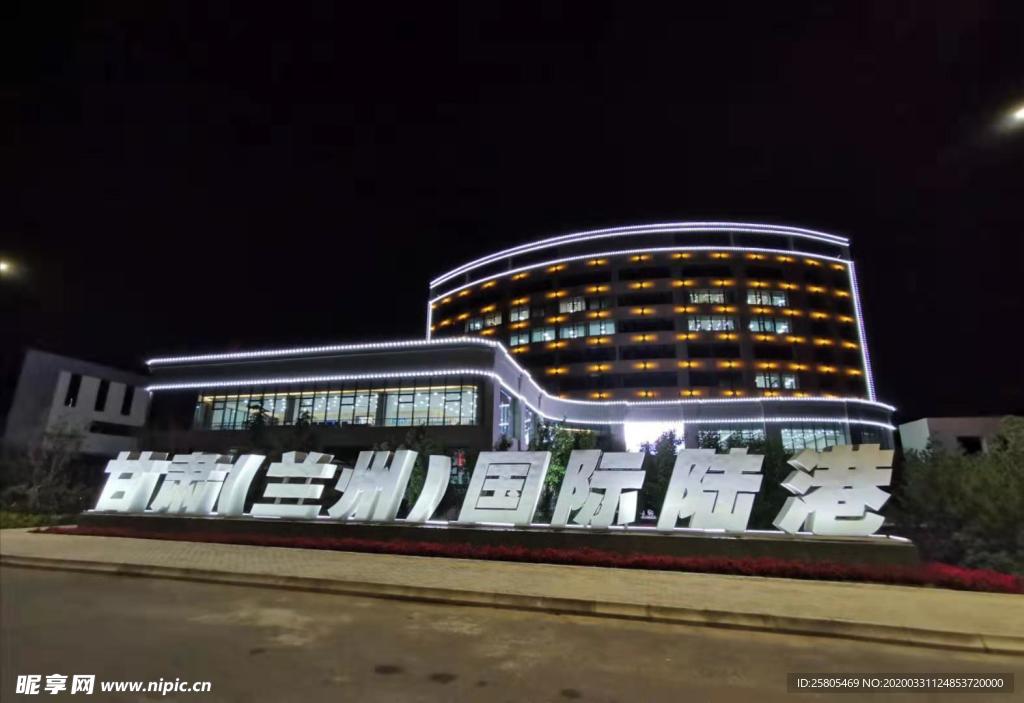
(967, 509)
(418, 440)
(560, 441)
(660, 459)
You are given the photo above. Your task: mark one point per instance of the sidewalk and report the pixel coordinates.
(981, 622)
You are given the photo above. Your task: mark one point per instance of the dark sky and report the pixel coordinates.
(186, 178)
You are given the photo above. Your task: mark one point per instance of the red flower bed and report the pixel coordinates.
(934, 574)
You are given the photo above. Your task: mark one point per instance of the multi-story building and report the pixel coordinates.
(741, 330)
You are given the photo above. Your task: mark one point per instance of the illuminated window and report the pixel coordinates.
(816, 437)
(777, 325)
(707, 295)
(598, 303)
(787, 381)
(519, 313)
(775, 298)
(728, 437)
(572, 304)
(492, 319)
(572, 331)
(518, 339)
(600, 327)
(441, 401)
(504, 413)
(542, 334)
(475, 324)
(710, 323)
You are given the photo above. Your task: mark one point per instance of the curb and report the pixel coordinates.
(936, 639)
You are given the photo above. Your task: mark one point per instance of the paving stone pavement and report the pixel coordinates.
(924, 616)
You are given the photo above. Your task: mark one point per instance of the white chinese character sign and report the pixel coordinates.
(835, 492)
(835, 489)
(715, 491)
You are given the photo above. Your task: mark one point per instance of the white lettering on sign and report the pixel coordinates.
(836, 492)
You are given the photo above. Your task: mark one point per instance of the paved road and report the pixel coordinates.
(258, 644)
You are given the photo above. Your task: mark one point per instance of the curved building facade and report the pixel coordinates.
(709, 310)
(732, 331)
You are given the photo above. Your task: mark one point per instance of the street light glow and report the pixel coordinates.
(1018, 114)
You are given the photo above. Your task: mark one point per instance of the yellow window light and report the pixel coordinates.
(489, 284)
(598, 289)
(646, 394)
(812, 262)
(799, 367)
(557, 294)
(725, 308)
(519, 276)
(557, 370)
(556, 345)
(838, 267)
(556, 319)
(842, 293)
(521, 349)
(767, 364)
(487, 308)
(682, 255)
(721, 255)
(599, 340)
(600, 395)
(818, 315)
(487, 332)
(645, 365)
(447, 300)
(795, 339)
(854, 372)
(687, 336)
(645, 337)
(463, 316)
(789, 286)
(821, 342)
(765, 337)
(444, 323)
(850, 345)
(844, 318)
(726, 364)
(599, 368)
(640, 257)
(756, 257)
(826, 369)
(521, 301)
(643, 311)
(641, 284)
(802, 394)
(757, 284)
(760, 311)
(689, 393)
(518, 325)
(556, 268)
(770, 394)
(785, 259)
(723, 282)
(464, 293)
(727, 336)
(789, 312)
(815, 289)
(597, 262)
(690, 364)
(680, 309)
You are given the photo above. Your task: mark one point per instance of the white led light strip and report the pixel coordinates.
(289, 380)
(741, 227)
(627, 252)
(441, 341)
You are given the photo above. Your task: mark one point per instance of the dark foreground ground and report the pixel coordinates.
(258, 644)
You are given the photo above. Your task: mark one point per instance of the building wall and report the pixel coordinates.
(39, 408)
(951, 434)
(673, 315)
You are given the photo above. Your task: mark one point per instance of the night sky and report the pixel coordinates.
(183, 178)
